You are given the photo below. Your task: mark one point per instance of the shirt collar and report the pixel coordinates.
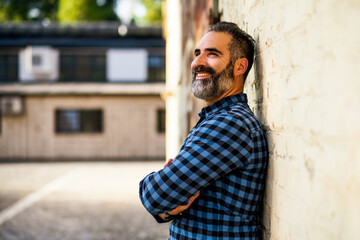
(223, 103)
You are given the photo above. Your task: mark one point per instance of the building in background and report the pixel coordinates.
(304, 87)
(185, 22)
(88, 91)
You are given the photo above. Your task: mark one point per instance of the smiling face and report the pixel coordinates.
(211, 69)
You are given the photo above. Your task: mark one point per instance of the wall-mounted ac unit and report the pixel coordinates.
(11, 105)
(39, 63)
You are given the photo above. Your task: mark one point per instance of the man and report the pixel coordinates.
(213, 188)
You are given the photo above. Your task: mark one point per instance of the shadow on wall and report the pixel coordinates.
(258, 86)
(259, 91)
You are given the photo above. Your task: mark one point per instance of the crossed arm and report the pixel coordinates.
(181, 208)
(209, 153)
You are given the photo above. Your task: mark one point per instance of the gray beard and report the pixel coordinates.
(215, 86)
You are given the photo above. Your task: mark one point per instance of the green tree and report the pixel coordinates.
(86, 10)
(25, 10)
(57, 10)
(153, 11)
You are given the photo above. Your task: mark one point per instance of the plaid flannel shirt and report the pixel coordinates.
(225, 157)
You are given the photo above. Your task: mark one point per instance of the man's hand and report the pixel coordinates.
(168, 162)
(180, 208)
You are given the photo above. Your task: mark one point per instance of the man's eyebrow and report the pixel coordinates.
(213, 50)
(208, 50)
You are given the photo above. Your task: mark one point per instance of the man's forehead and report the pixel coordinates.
(219, 40)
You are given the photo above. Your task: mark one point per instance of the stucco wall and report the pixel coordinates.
(305, 89)
(129, 130)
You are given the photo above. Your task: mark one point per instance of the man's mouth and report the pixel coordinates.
(202, 75)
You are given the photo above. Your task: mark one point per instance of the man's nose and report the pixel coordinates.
(199, 61)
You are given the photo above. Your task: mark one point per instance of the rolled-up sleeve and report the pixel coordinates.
(214, 147)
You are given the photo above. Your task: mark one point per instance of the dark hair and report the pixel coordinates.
(241, 44)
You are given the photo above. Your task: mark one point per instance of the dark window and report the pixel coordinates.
(9, 68)
(79, 121)
(36, 60)
(161, 120)
(82, 68)
(156, 68)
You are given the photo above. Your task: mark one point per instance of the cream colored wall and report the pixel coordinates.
(174, 97)
(130, 130)
(305, 88)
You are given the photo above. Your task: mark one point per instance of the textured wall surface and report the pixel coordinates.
(305, 89)
(129, 130)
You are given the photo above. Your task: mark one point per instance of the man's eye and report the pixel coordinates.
(213, 53)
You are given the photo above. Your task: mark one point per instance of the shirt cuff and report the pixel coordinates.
(168, 218)
(159, 219)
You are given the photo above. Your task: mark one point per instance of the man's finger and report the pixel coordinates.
(182, 208)
(191, 199)
(168, 162)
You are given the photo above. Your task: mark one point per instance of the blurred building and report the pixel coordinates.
(304, 88)
(88, 91)
(185, 22)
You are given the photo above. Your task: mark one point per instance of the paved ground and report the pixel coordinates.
(77, 201)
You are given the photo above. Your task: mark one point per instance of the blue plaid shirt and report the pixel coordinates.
(225, 157)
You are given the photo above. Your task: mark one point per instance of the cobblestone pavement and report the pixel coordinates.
(77, 201)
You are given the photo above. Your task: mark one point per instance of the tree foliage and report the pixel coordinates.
(57, 10)
(86, 10)
(153, 11)
(72, 10)
(25, 10)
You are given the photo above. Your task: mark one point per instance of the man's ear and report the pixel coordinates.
(240, 67)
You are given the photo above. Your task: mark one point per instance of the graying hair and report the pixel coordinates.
(241, 44)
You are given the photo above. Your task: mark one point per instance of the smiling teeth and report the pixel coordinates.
(202, 74)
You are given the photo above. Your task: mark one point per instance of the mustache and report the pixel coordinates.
(202, 69)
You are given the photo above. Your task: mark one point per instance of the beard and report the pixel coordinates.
(215, 85)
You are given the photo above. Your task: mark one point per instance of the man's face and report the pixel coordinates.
(211, 69)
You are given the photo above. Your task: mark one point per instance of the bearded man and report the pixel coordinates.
(213, 188)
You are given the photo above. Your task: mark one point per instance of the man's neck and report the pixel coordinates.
(236, 88)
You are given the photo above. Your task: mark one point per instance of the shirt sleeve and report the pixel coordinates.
(216, 147)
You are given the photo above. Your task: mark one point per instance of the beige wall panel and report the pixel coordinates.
(13, 137)
(305, 89)
(129, 129)
(40, 130)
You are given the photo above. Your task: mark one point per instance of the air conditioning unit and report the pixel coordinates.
(39, 63)
(11, 105)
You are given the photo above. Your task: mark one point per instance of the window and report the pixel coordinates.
(127, 65)
(161, 120)
(36, 60)
(82, 68)
(156, 68)
(78, 121)
(9, 68)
